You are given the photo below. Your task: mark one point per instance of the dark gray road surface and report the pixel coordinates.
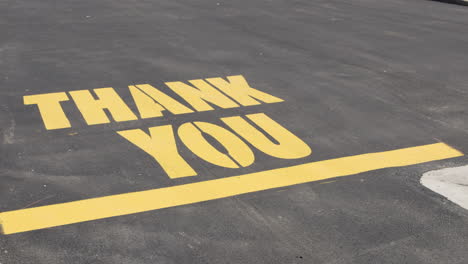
(357, 76)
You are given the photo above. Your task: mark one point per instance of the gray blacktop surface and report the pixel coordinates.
(356, 76)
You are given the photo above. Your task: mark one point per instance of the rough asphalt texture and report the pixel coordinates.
(357, 76)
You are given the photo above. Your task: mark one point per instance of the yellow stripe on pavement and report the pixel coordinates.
(130, 203)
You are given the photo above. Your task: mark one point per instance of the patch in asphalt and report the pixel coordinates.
(451, 183)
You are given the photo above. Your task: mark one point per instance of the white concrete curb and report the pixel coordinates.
(451, 183)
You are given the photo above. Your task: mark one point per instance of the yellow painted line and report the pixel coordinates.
(130, 203)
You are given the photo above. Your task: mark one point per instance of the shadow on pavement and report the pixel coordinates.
(458, 2)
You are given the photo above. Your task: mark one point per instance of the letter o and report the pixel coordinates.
(239, 153)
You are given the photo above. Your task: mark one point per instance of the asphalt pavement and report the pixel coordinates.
(334, 79)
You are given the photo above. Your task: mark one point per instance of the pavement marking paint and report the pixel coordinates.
(123, 204)
(161, 143)
(201, 95)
